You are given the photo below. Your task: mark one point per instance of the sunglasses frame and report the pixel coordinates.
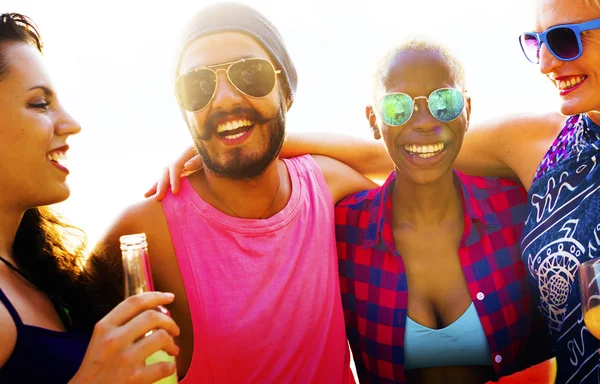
(541, 38)
(225, 67)
(414, 105)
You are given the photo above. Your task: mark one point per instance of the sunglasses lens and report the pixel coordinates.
(395, 109)
(254, 77)
(530, 47)
(563, 42)
(195, 89)
(446, 104)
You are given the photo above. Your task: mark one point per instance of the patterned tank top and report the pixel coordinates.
(563, 230)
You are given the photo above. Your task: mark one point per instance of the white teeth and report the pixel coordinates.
(58, 157)
(563, 85)
(233, 137)
(425, 151)
(232, 125)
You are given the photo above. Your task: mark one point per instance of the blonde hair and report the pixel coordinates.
(421, 45)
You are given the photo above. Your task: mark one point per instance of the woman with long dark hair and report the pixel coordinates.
(48, 303)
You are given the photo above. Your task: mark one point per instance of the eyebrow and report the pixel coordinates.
(47, 91)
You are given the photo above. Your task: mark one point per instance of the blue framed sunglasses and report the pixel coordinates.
(563, 41)
(445, 104)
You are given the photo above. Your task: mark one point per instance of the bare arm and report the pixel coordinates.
(482, 150)
(367, 157)
(510, 147)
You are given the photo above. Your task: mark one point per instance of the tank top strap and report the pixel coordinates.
(11, 309)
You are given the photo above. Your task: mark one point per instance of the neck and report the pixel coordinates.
(10, 220)
(429, 205)
(595, 116)
(257, 198)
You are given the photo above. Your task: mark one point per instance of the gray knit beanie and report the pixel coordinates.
(227, 17)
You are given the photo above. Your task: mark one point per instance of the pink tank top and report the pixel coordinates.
(264, 295)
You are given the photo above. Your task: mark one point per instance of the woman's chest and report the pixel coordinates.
(437, 290)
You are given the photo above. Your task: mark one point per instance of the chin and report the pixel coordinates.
(578, 105)
(56, 195)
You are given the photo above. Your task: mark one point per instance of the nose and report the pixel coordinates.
(548, 62)
(422, 119)
(66, 124)
(226, 95)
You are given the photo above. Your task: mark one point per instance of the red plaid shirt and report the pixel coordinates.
(373, 278)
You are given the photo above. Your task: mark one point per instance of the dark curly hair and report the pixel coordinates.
(50, 252)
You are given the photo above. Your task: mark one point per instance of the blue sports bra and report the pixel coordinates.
(459, 344)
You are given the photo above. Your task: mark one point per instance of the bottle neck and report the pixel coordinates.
(136, 270)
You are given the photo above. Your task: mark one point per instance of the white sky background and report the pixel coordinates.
(111, 63)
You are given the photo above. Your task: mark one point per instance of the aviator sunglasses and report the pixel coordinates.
(252, 77)
(445, 104)
(563, 41)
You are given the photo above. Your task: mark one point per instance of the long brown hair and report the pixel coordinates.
(50, 252)
(53, 253)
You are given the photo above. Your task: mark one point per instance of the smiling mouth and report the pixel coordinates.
(425, 151)
(235, 129)
(565, 85)
(58, 157)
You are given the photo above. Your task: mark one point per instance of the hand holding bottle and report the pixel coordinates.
(118, 349)
(138, 278)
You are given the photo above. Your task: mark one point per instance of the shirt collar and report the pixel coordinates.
(379, 229)
(475, 200)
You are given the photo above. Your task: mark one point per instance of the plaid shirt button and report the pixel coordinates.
(480, 296)
(498, 359)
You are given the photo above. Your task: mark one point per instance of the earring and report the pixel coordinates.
(376, 133)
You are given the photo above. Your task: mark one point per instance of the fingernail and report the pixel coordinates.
(169, 295)
(189, 162)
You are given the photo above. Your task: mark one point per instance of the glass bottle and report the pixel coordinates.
(138, 279)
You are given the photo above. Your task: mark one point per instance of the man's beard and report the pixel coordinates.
(246, 167)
